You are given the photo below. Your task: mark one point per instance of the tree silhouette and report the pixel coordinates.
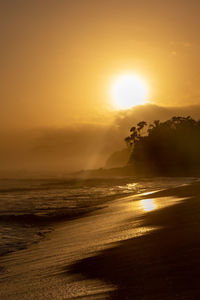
(170, 146)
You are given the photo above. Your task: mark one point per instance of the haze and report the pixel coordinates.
(59, 59)
(99, 149)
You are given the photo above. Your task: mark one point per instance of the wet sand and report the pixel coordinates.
(139, 247)
(163, 264)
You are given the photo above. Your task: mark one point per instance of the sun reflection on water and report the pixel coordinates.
(148, 204)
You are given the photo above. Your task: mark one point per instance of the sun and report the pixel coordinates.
(129, 90)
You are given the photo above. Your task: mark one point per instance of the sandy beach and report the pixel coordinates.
(100, 150)
(139, 247)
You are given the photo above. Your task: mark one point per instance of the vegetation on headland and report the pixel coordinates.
(165, 148)
(169, 148)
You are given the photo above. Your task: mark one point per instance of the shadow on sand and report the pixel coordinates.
(164, 264)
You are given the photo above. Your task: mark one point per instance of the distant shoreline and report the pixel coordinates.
(129, 171)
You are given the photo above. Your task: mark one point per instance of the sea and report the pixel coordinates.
(30, 208)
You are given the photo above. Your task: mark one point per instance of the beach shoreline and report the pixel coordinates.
(138, 247)
(163, 264)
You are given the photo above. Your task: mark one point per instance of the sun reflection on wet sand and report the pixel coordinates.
(148, 204)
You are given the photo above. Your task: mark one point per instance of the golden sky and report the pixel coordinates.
(59, 58)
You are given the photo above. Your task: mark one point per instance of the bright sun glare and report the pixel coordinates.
(129, 90)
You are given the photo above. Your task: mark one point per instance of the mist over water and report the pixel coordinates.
(75, 147)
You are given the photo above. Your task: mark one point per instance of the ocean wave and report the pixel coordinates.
(42, 219)
(28, 207)
(7, 186)
(15, 237)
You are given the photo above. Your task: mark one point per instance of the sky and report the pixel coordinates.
(59, 58)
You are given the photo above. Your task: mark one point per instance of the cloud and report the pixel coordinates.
(150, 112)
(173, 53)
